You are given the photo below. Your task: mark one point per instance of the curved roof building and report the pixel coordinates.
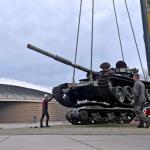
(16, 93)
(22, 104)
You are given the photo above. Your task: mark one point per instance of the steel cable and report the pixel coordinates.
(77, 41)
(116, 18)
(135, 38)
(92, 32)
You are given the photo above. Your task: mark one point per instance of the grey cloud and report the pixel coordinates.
(52, 25)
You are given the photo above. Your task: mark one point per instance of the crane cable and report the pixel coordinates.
(118, 30)
(92, 32)
(77, 41)
(135, 39)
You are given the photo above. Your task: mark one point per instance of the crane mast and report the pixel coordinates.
(145, 10)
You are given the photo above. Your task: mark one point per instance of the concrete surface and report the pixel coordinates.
(64, 136)
(65, 128)
(27, 125)
(75, 142)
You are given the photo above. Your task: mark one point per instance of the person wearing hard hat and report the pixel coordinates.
(45, 101)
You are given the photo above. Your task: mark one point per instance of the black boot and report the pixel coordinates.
(47, 124)
(41, 125)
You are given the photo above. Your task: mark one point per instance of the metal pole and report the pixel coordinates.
(146, 32)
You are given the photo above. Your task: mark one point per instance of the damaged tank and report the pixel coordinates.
(103, 96)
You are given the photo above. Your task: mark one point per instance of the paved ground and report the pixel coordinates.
(75, 142)
(63, 136)
(26, 125)
(63, 128)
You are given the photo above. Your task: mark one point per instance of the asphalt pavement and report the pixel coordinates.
(75, 142)
(64, 136)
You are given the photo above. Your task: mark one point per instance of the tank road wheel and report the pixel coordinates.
(128, 93)
(148, 94)
(83, 116)
(129, 117)
(119, 94)
(118, 118)
(71, 116)
(104, 118)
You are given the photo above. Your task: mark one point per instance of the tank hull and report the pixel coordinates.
(104, 90)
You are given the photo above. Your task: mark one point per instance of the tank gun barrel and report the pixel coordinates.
(60, 59)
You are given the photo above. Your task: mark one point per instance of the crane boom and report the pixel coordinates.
(145, 10)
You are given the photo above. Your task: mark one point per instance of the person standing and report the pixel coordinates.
(139, 101)
(45, 101)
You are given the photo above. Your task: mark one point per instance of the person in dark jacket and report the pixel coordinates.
(45, 101)
(139, 101)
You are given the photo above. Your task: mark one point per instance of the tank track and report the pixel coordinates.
(106, 91)
(86, 116)
(110, 84)
(62, 98)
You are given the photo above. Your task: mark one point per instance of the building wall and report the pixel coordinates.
(28, 112)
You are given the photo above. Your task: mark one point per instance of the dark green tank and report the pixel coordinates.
(109, 90)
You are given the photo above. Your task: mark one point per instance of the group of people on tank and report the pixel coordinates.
(107, 70)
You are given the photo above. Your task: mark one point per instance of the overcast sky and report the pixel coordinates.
(52, 25)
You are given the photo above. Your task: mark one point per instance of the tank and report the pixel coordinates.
(103, 96)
